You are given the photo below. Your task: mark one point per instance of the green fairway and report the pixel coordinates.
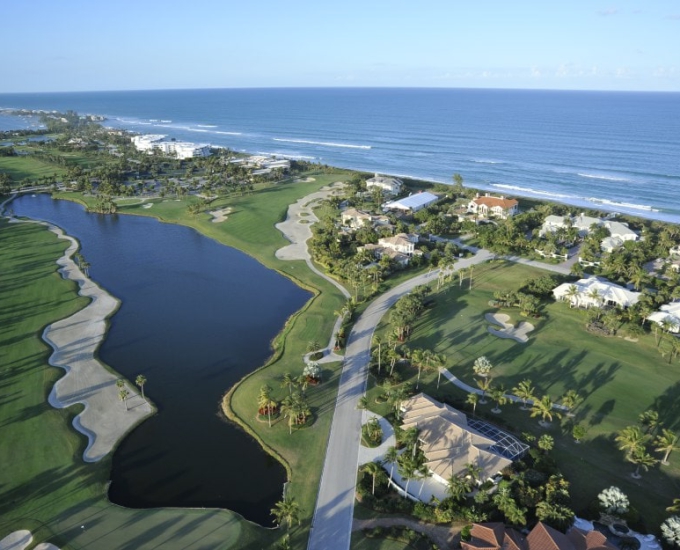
(618, 380)
(44, 484)
(29, 167)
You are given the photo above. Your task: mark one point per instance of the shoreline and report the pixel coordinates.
(104, 421)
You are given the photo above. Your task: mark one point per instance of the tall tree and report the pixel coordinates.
(666, 442)
(391, 456)
(544, 408)
(140, 381)
(288, 511)
(375, 471)
(525, 391)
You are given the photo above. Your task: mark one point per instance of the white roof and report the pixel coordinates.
(607, 290)
(669, 312)
(413, 201)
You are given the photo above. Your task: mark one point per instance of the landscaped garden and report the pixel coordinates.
(617, 379)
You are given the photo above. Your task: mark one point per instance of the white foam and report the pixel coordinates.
(324, 143)
(206, 125)
(486, 161)
(533, 191)
(622, 204)
(602, 177)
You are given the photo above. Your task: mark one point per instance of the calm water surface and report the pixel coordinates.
(195, 317)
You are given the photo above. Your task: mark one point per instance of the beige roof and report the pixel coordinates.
(449, 444)
(504, 203)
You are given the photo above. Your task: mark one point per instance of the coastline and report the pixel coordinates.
(104, 421)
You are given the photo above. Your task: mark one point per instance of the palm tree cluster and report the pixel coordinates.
(407, 310)
(634, 441)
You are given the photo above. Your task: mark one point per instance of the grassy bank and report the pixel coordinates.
(44, 484)
(618, 380)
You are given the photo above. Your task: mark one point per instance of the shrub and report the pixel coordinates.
(670, 529)
(613, 501)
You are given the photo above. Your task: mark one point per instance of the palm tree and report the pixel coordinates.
(484, 385)
(407, 468)
(473, 399)
(313, 346)
(265, 402)
(391, 456)
(498, 395)
(666, 442)
(418, 358)
(473, 471)
(544, 409)
(399, 395)
(288, 382)
(546, 443)
(572, 295)
(140, 381)
(642, 459)
(458, 487)
(675, 507)
(630, 440)
(120, 383)
(525, 391)
(438, 361)
(649, 419)
(287, 510)
(570, 400)
(375, 470)
(378, 342)
(123, 395)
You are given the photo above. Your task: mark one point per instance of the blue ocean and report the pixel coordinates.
(617, 151)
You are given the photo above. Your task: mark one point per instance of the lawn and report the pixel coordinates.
(617, 379)
(29, 167)
(44, 484)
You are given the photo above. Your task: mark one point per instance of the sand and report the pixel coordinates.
(519, 333)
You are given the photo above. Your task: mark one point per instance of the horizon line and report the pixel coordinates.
(518, 89)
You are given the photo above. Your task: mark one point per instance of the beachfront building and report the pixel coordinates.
(595, 292)
(391, 186)
(618, 232)
(412, 203)
(451, 441)
(668, 317)
(493, 207)
(496, 536)
(178, 149)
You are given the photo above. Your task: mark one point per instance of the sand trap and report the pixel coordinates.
(306, 180)
(147, 206)
(519, 333)
(104, 420)
(17, 540)
(221, 215)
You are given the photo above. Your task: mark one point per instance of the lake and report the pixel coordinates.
(195, 317)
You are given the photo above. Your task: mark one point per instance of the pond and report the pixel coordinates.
(195, 317)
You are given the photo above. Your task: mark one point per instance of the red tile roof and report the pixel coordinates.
(490, 202)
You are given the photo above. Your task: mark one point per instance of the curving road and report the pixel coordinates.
(332, 521)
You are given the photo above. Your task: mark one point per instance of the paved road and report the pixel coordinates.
(332, 523)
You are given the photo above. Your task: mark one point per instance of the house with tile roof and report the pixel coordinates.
(496, 536)
(668, 314)
(496, 207)
(450, 442)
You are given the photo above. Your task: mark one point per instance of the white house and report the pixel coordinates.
(669, 313)
(595, 291)
(402, 242)
(675, 251)
(488, 206)
(390, 185)
(412, 203)
(618, 232)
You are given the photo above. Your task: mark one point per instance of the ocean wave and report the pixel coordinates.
(206, 125)
(532, 191)
(602, 177)
(324, 143)
(286, 155)
(486, 161)
(616, 204)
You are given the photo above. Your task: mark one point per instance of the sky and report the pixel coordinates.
(71, 45)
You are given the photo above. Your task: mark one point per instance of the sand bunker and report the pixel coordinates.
(306, 180)
(221, 215)
(22, 539)
(519, 333)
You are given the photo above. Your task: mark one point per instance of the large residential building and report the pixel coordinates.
(392, 186)
(496, 207)
(667, 317)
(179, 149)
(595, 291)
(618, 232)
(402, 242)
(450, 440)
(413, 203)
(496, 536)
